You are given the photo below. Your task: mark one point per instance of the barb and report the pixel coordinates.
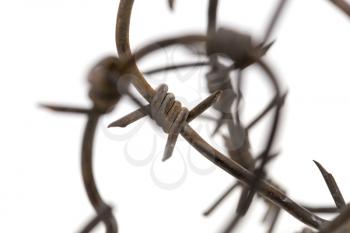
(220, 123)
(131, 117)
(168, 114)
(216, 204)
(145, 110)
(274, 220)
(65, 109)
(332, 186)
(212, 18)
(274, 102)
(175, 67)
(276, 16)
(204, 105)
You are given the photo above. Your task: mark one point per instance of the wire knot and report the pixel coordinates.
(168, 112)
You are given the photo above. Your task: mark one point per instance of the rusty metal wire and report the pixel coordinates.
(110, 79)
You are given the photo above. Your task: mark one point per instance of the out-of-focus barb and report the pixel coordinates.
(65, 109)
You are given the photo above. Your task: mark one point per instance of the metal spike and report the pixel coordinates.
(175, 67)
(332, 186)
(274, 219)
(174, 134)
(274, 102)
(221, 199)
(142, 112)
(245, 201)
(274, 19)
(65, 109)
(266, 47)
(204, 105)
(270, 157)
(218, 126)
(131, 117)
(169, 147)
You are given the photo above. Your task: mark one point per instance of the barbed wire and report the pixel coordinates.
(110, 80)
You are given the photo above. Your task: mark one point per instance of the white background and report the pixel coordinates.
(46, 50)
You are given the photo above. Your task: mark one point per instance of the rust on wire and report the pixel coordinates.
(110, 79)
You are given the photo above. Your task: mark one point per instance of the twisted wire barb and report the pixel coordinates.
(168, 114)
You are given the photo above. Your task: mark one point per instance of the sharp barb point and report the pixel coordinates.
(131, 117)
(274, 20)
(218, 126)
(170, 145)
(65, 109)
(203, 106)
(332, 186)
(216, 204)
(116, 123)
